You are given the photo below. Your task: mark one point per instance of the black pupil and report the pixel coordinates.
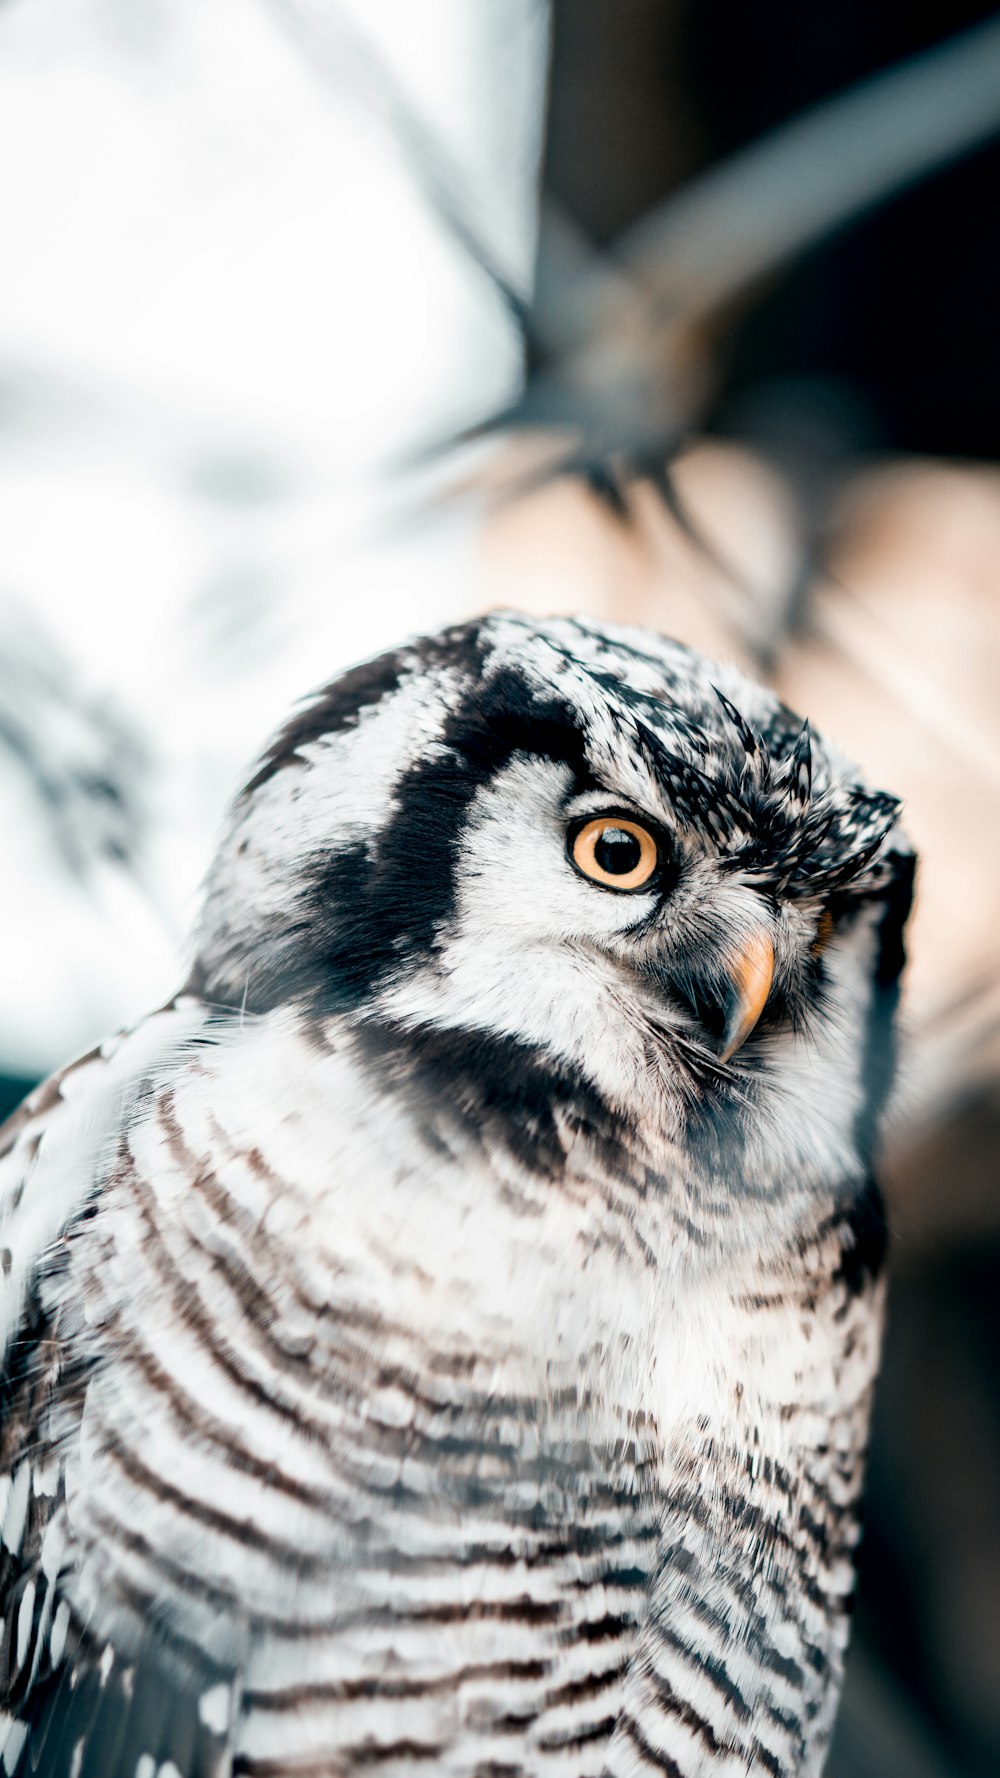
(617, 852)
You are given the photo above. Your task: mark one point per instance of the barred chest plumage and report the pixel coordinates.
(414, 1515)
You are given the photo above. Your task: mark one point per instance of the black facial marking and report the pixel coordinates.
(340, 704)
(363, 913)
(337, 708)
(500, 1091)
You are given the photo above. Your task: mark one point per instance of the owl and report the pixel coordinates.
(442, 1339)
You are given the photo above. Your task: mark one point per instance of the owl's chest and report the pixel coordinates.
(362, 1247)
(421, 1425)
(392, 1488)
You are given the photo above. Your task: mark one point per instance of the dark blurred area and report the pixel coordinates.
(884, 339)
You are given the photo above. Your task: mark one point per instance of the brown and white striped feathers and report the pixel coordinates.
(442, 1340)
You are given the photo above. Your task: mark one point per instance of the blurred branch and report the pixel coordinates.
(628, 336)
(85, 764)
(741, 221)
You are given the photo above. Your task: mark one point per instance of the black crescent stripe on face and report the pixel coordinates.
(339, 705)
(364, 912)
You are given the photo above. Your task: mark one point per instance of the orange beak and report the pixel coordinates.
(751, 971)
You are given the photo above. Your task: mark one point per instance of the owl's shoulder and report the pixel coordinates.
(55, 1148)
(56, 1152)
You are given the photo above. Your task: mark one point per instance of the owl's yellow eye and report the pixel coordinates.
(615, 852)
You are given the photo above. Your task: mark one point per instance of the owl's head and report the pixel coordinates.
(571, 875)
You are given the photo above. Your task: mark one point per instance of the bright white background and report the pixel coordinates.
(229, 310)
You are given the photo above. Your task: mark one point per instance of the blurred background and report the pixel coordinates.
(325, 321)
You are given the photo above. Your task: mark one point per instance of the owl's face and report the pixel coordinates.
(571, 863)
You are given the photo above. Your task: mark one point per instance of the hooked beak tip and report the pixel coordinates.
(751, 971)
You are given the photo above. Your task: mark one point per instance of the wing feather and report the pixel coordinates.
(69, 1708)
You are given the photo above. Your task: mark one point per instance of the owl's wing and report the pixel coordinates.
(69, 1712)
